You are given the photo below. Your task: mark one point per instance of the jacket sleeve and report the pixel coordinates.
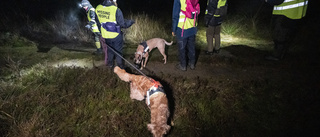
(212, 6)
(92, 15)
(98, 22)
(123, 23)
(175, 14)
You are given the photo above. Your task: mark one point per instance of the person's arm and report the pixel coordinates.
(212, 6)
(98, 22)
(123, 23)
(175, 15)
(92, 15)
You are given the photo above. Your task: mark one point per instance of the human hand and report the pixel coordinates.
(88, 26)
(132, 21)
(173, 34)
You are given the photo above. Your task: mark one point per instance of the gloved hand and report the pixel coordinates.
(132, 22)
(88, 26)
(128, 23)
(207, 19)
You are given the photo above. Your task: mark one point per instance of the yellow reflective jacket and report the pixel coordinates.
(91, 18)
(293, 9)
(185, 23)
(107, 14)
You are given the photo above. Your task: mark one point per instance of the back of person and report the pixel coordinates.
(107, 18)
(293, 9)
(286, 21)
(181, 25)
(92, 25)
(185, 29)
(216, 12)
(110, 21)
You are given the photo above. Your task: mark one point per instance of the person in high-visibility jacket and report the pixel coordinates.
(286, 19)
(185, 31)
(110, 21)
(215, 14)
(92, 25)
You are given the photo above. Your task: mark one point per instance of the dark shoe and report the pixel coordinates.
(192, 67)
(110, 66)
(209, 53)
(217, 51)
(178, 66)
(272, 58)
(98, 52)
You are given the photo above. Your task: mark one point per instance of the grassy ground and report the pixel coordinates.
(235, 93)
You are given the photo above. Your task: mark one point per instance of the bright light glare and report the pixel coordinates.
(83, 63)
(229, 40)
(80, 5)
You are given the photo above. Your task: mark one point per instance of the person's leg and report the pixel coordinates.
(97, 43)
(278, 33)
(105, 49)
(182, 53)
(217, 40)
(110, 53)
(191, 46)
(118, 48)
(284, 30)
(209, 35)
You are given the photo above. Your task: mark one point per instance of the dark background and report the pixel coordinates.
(39, 9)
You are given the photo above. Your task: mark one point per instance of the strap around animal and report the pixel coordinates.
(155, 83)
(154, 89)
(145, 46)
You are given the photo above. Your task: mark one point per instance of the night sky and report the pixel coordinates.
(43, 9)
(38, 10)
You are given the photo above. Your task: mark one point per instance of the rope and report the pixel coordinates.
(126, 61)
(152, 80)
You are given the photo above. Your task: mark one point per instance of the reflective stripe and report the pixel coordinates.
(146, 49)
(110, 21)
(181, 20)
(107, 14)
(287, 1)
(184, 22)
(291, 6)
(221, 3)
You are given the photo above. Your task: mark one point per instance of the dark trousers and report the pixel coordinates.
(105, 49)
(187, 48)
(117, 45)
(284, 31)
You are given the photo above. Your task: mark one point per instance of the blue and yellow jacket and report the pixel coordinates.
(119, 20)
(293, 9)
(178, 21)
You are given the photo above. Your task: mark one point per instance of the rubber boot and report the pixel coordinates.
(278, 53)
(99, 49)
